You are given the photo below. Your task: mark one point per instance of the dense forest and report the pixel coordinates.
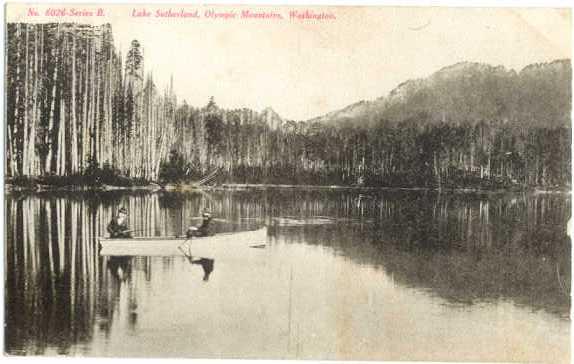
(75, 107)
(78, 112)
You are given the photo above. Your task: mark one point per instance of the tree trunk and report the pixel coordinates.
(436, 163)
(15, 155)
(25, 158)
(49, 134)
(74, 136)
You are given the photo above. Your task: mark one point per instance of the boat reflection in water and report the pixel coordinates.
(206, 264)
(125, 277)
(120, 267)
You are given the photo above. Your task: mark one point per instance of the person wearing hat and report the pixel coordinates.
(201, 230)
(118, 227)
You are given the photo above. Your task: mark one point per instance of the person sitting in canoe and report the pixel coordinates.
(201, 230)
(118, 227)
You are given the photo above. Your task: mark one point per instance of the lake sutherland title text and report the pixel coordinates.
(232, 14)
(182, 13)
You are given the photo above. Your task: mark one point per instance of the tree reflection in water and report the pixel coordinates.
(461, 247)
(465, 249)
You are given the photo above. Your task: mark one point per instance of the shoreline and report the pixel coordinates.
(152, 187)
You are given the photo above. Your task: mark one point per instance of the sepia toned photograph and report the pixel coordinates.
(292, 182)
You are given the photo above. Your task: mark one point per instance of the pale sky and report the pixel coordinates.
(306, 68)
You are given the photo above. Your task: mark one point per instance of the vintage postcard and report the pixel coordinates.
(287, 182)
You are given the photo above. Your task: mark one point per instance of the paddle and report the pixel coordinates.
(133, 231)
(214, 219)
(186, 254)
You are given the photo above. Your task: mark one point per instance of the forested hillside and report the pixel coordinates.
(467, 125)
(539, 96)
(81, 112)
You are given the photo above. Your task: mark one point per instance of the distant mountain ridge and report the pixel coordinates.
(538, 95)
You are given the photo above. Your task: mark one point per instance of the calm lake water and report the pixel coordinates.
(389, 275)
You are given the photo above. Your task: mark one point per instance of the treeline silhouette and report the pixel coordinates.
(78, 113)
(412, 153)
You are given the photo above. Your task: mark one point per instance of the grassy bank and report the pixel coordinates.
(75, 182)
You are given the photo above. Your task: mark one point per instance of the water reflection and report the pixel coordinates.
(120, 267)
(62, 297)
(205, 263)
(466, 250)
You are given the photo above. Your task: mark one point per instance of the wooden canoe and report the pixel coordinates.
(216, 246)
